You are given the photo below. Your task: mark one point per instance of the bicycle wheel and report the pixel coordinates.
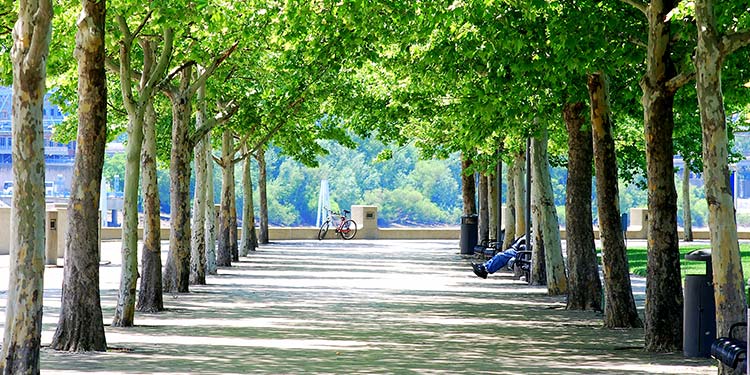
(323, 230)
(349, 229)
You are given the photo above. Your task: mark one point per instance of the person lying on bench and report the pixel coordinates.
(500, 260)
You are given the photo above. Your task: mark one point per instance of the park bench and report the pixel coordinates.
(730, 350)
(522, 264)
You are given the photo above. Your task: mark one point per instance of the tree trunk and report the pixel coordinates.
(125, 309)
(150, 298)
(510, 214)
(519, 182)
(210, 220)
(177, 269)
(233, 240)
(686, 215)
(262, 179)
(224, 252)
(198, 242)
(585, 289)
(538, 264)
(663, 282)
(80, 326)
(492, 203)
(484, 210)
(557, 282)
(468, 190)
(23, 314)
(620, 310)
(248, 215)
(727, 267)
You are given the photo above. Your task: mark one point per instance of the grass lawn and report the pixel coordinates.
(637, 260)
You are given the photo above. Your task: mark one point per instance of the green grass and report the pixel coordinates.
(637, 259)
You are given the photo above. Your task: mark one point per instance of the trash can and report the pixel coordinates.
(699, 324)
(469, 233)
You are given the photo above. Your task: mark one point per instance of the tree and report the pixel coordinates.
(484, 211)
(260, 156)
(23, 314)
(620, 308)
(467, 186)
(198, 242)
(713, 47)
(150, 296)
(177, 269)
(249, 240)
(225, 253)
(152, 73)
(547, 226)
(510, 214)
(585, 289)
(659, 84)
(80, 326)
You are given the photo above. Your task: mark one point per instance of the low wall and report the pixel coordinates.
(57, 224)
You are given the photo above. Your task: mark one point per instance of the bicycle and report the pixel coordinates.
(347, 228)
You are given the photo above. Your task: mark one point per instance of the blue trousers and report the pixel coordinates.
(500, 260)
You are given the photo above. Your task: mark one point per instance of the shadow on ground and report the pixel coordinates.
(363, 307)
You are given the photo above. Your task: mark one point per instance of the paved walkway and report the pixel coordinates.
(354, 307)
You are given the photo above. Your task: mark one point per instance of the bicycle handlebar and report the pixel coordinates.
(337, 213)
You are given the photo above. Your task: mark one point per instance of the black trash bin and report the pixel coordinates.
(699, 324)
(469, 233)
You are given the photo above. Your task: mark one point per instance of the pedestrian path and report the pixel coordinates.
(343, 307)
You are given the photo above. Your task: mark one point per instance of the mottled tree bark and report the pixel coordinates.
(663, 326)
(210, 219)
(484, 210)
(585, 289)
(557, 282)
(492, 206)
(177, 269)
(468, 191)
(198, 242)
(538, 264)
(247, 243)
(233, 237)
(519, 182)
(687, 218)
(510, 214)
(727, 267)
(262, 180)
(136, 109)
(80, 326)
(125, 309)
(620, 310)
(150, 297)
(224, 252)
(23, 314)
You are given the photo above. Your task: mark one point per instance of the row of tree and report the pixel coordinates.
(480, 78)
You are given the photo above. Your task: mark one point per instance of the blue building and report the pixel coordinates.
(58, 157)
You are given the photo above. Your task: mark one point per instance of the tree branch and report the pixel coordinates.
(40, 40)
(242, 157)
(734, 41)
(680, 80)
(638, 4)
(142, 25)
(217, 160)
(220, 118)
(211, 69)
(164, 83)
(163, 63)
